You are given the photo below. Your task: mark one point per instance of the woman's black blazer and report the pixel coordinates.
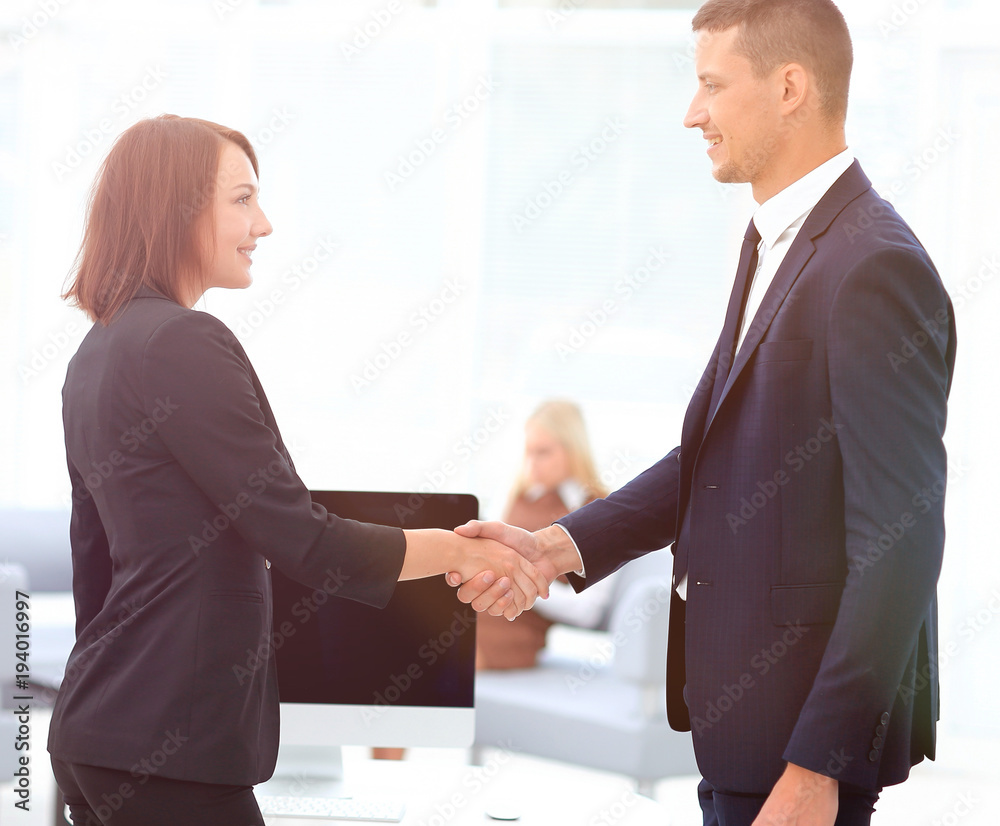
(183, 495)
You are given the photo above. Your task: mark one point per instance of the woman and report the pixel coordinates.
(557, 476)
(183, 496)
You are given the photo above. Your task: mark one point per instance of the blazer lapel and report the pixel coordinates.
(844, 190)
(795, 260)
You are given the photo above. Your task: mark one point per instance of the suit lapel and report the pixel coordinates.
(777, 293)
(844, 190)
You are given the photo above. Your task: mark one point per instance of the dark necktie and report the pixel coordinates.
(731, 328)
(727, 352)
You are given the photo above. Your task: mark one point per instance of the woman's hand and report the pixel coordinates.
(550, 550)
(513, 582)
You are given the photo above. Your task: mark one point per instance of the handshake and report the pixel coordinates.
(505, 568)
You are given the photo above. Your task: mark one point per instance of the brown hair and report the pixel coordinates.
(148, 213)
(772, 33)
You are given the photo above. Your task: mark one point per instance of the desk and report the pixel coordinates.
(437, 795)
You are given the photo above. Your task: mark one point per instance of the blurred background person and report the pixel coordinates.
(557, 476)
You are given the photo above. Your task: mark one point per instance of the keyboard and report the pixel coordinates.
(371, 810)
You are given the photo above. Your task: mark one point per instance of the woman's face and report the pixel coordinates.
(239, 221)
(546, 460)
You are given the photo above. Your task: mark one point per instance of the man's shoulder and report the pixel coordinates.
(862, 223)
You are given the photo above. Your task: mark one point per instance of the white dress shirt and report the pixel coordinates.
(779, 219)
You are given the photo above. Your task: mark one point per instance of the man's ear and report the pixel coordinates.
(796, 89)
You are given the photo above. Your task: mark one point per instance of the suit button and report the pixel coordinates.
(267, 564)
(877, 742)
(880, 731)
(873, 755)
(885, 718)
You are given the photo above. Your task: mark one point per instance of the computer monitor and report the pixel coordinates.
(350, 674)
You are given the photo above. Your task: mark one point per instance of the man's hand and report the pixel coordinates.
(511, 580)
(516, 581)
(800, 798)
(550, 550)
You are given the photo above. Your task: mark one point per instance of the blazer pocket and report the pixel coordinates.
(237, 596)
(795, 350)
(805, 604)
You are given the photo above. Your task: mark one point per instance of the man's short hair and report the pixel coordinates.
(772, 33)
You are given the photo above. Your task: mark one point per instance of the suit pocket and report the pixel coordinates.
(805, 604)
(795, 350)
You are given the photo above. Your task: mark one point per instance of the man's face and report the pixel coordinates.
(735, 110)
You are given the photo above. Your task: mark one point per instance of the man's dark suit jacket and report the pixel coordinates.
(810, 512)
(183, 494)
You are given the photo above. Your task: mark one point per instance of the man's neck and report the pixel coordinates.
(801, 158)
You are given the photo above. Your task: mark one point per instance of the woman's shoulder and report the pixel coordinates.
(162, 334)
(157, 320)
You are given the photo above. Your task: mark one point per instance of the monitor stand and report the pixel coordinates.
(307, 771)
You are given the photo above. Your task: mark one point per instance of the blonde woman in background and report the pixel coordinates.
(557, 476)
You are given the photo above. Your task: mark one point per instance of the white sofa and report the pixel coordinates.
(603, 706)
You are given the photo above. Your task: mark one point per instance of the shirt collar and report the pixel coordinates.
(572, 494)
(795, 201)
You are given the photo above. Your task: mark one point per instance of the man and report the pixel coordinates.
(802, 645)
